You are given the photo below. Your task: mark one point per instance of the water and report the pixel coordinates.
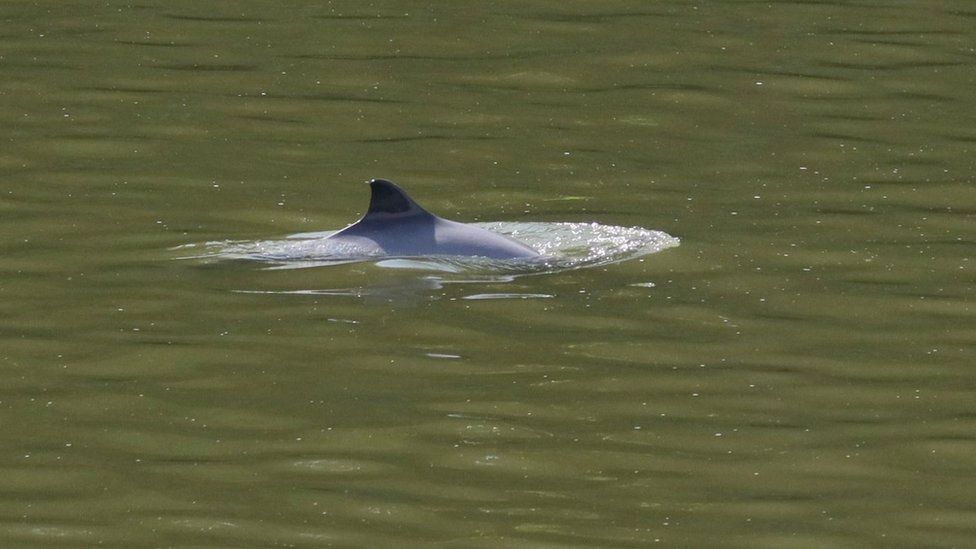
(562, 246)
(797, 373)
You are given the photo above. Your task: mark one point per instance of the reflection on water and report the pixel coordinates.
(509, 296)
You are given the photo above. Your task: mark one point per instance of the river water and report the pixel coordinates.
(798, 372)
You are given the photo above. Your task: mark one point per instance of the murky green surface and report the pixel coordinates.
(798, 373)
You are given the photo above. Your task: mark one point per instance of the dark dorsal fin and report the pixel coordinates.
(388, 199)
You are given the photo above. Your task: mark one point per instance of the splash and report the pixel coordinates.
(563, 246)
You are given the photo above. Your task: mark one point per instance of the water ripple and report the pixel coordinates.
(563, 246)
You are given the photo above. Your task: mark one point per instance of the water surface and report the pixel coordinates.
(797, 373)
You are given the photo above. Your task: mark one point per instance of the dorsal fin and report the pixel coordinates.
(388, 199)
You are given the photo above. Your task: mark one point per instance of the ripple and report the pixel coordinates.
(508, 296)
(563, 246)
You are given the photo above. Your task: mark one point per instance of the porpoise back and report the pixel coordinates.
(396, 226)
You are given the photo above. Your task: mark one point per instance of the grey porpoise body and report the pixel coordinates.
(396, 226)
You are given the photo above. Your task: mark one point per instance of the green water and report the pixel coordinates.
(798, 373)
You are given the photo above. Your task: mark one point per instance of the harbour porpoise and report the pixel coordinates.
(396, 226)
